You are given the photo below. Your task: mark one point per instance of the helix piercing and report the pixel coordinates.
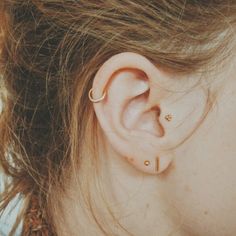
(95, 100)
(168, 117)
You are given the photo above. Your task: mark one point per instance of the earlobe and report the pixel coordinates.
(140, 118)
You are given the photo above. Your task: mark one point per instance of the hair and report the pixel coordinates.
(50, 53)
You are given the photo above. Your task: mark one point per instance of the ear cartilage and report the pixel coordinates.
(95, 100)
(168, 117)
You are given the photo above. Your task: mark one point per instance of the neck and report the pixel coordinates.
(120, 202)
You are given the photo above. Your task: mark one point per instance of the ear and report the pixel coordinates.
(146, 112)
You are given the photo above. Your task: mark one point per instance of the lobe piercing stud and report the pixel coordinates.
(146, 163)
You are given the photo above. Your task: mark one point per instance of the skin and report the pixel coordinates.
(193, 193)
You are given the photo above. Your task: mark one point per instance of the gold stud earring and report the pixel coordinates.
(146, 163)
(95, 100)
(168, 117)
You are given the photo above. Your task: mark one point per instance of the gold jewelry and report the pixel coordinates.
(168, 117)
(95, 100)
(146, 163)
(157, 164)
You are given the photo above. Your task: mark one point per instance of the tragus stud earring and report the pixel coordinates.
(95, 100)
(169, 117)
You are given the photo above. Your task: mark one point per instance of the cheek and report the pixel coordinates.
(203, 185)
(205, 200)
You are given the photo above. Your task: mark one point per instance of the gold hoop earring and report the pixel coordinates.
(95, 100)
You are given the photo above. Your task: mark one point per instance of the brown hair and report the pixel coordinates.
(50, 53)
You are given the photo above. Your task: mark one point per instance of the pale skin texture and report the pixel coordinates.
(193, 193)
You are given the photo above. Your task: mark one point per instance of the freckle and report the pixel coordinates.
(147, 205)
(205, 212)
(187, 188)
